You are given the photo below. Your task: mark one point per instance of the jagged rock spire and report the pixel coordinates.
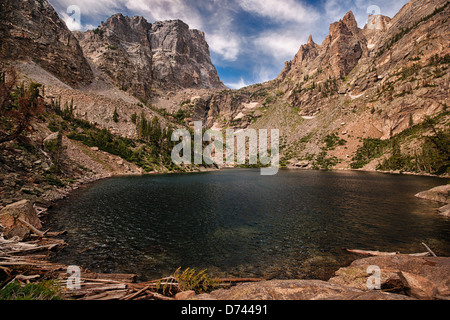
(350, 21)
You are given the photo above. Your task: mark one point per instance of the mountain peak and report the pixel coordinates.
(350, 21)
(33, 30)
(310, 40)
(142, 56)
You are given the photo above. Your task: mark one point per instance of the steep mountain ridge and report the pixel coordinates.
(149, 60)
(369, 83)
(32, 30)
(364, 83)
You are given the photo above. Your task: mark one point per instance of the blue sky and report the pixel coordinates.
(249, 39)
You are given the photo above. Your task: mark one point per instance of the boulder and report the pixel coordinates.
(10, 225)
(185, 295)
(52, 138)
(439, 194)
(418, 286)
(425, 278)
(296, 290)
(445, 211)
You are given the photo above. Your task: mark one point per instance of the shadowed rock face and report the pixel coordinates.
(32, 30)
(141, 57)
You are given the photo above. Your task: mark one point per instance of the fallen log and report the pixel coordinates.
(429, 250)
(423, 254)
(372, 253)
(23, 278)
(158, 296)
(134, 295)
(109, 295)
(40, 234)
(55, 234)
(378, 253)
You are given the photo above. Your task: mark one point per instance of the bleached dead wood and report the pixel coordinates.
(372, 253)
(423, 254)
(158, 296)
(110, 295)
(55, 234)
(238, 280)
(379, 253)
(429, 250)
(134, 295)
(32, 228)
(21, 277)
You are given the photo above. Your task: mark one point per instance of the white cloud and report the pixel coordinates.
(237, 85)
(278, 27)
(93, 9)
(280, 10)
(336, 9)
(227, 45)
(72, 18)
(279, 46)
(160, 10)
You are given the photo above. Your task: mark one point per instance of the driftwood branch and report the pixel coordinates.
(429, 250)
(238, 280)
(372, 253)
(40, 234)
(134, 295)
(378, 253)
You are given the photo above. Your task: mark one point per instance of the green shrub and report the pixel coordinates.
(54, 181)
(370, 150)
(115, 116)
(190, 279)
(322, 162)
(46, 290)
(332, 140)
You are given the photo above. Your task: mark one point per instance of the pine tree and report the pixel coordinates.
(115, 116)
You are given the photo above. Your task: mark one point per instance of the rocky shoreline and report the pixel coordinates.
(402, 277)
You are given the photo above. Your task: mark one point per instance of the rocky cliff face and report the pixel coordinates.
(143, 58)
(32, 30)
(359, 83)
(370, 82)
(336, 57)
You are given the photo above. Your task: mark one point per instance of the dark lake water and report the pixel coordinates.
(238, 223)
